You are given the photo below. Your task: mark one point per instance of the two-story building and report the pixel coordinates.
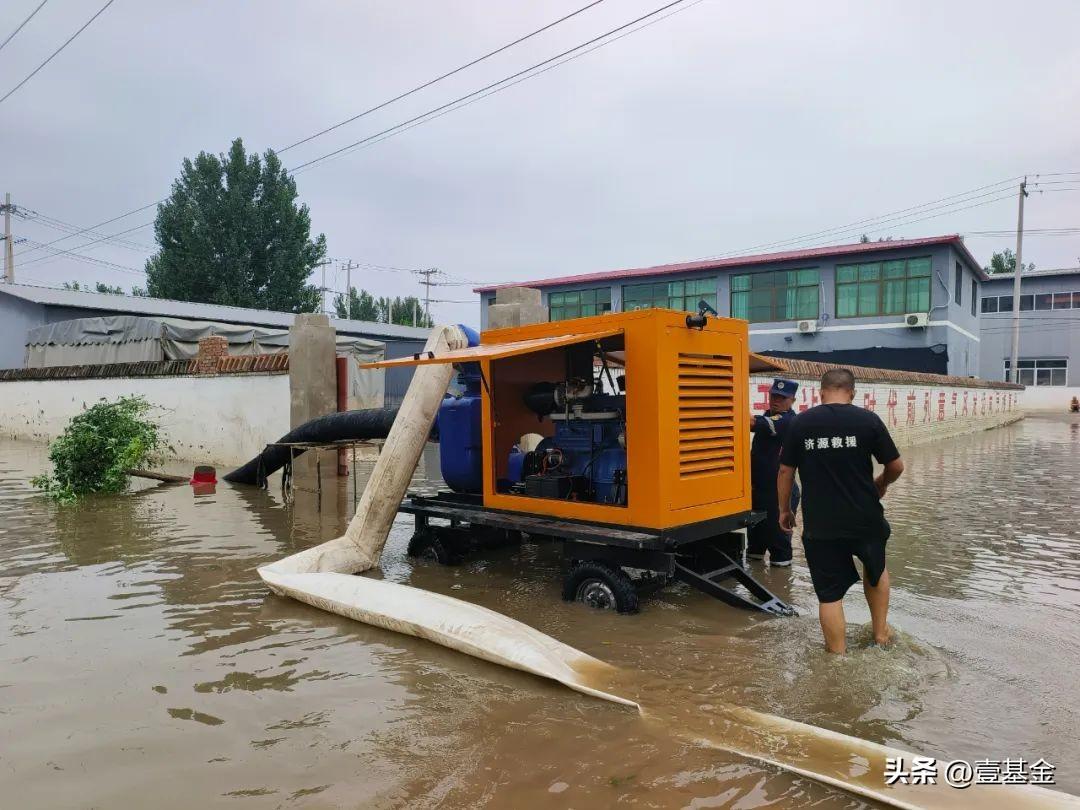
(910, 304)
(1049, 355)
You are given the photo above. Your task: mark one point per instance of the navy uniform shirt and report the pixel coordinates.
(765, 450)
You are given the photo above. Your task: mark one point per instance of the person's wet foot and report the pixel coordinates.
(885, 641)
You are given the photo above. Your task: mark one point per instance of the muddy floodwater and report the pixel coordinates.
(144, 664)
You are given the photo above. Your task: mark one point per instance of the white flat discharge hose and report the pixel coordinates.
(322, 577)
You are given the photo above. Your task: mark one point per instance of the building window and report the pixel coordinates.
(1040, 372)
(579, 303)
(883, 288)
(681, 295)
(782, 295)
(959, 286)
(974, 294)
(1029, 302)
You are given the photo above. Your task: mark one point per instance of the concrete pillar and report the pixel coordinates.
(312, 388)
(516, 306)
(211, 350)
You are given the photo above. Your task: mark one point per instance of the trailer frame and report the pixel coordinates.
(705, 555)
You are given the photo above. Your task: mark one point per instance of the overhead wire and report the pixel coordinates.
(438, 79)
(418, 118)
(11, 36)
(51, 56)
(390, 132)
(427, 117)
(80, 257)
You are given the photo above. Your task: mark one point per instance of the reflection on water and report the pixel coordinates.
(140, 655)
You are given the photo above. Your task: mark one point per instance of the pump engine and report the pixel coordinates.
(585, 459)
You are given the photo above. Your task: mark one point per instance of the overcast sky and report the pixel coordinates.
(725, 126)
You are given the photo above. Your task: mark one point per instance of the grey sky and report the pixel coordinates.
(725, 126)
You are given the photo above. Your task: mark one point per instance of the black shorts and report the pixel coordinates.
(832, 569)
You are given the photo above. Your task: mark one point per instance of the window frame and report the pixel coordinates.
(775, 291)
(974, 297)
(880, 283)
(958, 285)
(599, 307)
(664, 301)
(1055, 368)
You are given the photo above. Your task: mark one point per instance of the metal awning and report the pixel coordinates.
(495, 351)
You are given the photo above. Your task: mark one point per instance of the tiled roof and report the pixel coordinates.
(745, 261)
(810, 369)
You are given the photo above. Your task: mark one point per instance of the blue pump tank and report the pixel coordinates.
(460, 453)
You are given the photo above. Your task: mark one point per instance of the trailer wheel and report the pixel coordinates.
(428, 545)
(600, 586)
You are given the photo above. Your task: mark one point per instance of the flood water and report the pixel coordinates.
(144, 664)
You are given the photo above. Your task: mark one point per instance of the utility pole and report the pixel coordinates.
(1014, 365)
(348, 288)
(9, 243)
(428, 284)
(322, 289)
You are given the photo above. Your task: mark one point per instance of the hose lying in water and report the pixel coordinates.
(858, 765)
(318, 576)
(372, 423)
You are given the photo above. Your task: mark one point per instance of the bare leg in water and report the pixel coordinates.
(833, 625)
(877, 597)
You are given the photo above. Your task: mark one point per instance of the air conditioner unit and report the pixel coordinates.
(914, 319)
(807, 327)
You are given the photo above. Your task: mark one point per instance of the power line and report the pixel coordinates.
(440, 110)
(11, 36)
(864, 222)
(93, 228)
(55, 251)
(31, 215)
(70, 39)
(438, 79)
(484, 89)
(348, 149)
(80, 257)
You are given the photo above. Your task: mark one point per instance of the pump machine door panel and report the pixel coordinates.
(705, 423)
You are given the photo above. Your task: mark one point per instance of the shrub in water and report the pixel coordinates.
(98, 447)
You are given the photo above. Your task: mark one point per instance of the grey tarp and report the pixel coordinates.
(128, 338)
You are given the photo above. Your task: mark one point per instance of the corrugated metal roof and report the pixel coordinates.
(760, 258)
(138, 305)
(1061, 271)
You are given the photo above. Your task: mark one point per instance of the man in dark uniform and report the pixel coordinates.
(769, 430)
(834, 446)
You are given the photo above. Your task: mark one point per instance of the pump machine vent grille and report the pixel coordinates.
(706, 384)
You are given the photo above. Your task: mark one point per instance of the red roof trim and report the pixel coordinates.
(744, 261)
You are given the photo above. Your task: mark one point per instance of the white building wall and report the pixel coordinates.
(1049, 397)
(225, 419)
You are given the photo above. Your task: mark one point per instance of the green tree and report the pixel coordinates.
(232, 232)
(1005, 262)
(405, 310)
(362, 306)
(98, 287)
(366, 307)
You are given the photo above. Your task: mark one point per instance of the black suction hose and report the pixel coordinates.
(372, 423)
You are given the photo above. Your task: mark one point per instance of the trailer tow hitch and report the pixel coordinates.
(706, 571)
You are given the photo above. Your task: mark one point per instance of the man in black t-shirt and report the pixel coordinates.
(832, 446)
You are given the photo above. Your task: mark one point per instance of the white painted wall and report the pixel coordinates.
(1049, 398)
(915, 414)
(209, 420)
